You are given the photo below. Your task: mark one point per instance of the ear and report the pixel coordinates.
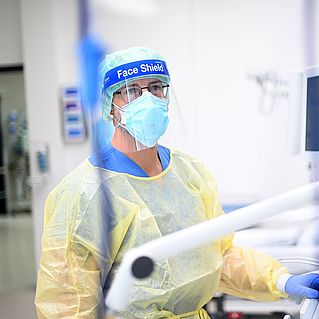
(111, 113)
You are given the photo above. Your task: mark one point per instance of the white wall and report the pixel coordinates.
(49, 53)
(210, 47)
(249, 151)
(10, 32)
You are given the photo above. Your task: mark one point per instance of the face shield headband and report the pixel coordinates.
(143, 68)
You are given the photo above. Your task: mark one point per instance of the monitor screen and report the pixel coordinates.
(312, 115)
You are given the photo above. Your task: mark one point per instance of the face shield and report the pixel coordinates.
(140, 106)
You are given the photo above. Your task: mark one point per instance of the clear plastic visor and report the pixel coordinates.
(140, 114)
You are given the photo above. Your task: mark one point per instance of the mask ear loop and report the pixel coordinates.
(123, 120)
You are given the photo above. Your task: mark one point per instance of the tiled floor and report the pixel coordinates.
(17, 304)
(17, 269)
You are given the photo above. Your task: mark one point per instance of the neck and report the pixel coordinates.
(148, 160)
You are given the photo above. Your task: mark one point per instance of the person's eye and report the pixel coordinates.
(156, 87)
(133, 91)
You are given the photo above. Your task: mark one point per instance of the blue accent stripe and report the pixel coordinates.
(73, 118)
(74, 132)
(71, 106)
(71, 91)
(133, 70)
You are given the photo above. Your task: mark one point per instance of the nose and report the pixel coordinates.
(144, 89)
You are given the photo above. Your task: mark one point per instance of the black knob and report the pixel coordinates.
(142, 267)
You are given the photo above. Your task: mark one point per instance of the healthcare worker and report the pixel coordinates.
(134, 190)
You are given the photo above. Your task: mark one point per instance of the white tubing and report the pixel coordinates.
(119, 292)
(203, 233)
(199, 234)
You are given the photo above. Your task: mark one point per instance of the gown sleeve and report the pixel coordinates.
(81, 237)
(246, 273)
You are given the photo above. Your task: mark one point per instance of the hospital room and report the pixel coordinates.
(159, 159)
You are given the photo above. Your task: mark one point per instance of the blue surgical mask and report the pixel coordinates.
(145, 118)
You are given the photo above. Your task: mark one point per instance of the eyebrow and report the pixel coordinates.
(152, 82)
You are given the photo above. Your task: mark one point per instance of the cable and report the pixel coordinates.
(300, 260)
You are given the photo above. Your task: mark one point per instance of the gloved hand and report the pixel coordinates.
(305, 285)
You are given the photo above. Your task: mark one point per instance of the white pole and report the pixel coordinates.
(203, 233)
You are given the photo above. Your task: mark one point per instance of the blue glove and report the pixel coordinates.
(306, 285)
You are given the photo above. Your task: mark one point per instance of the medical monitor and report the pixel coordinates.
(310, 134)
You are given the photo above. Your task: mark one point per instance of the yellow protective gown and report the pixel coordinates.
(94, 216)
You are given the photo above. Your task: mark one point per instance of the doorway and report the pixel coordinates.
(17, 267)
(15, 193)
